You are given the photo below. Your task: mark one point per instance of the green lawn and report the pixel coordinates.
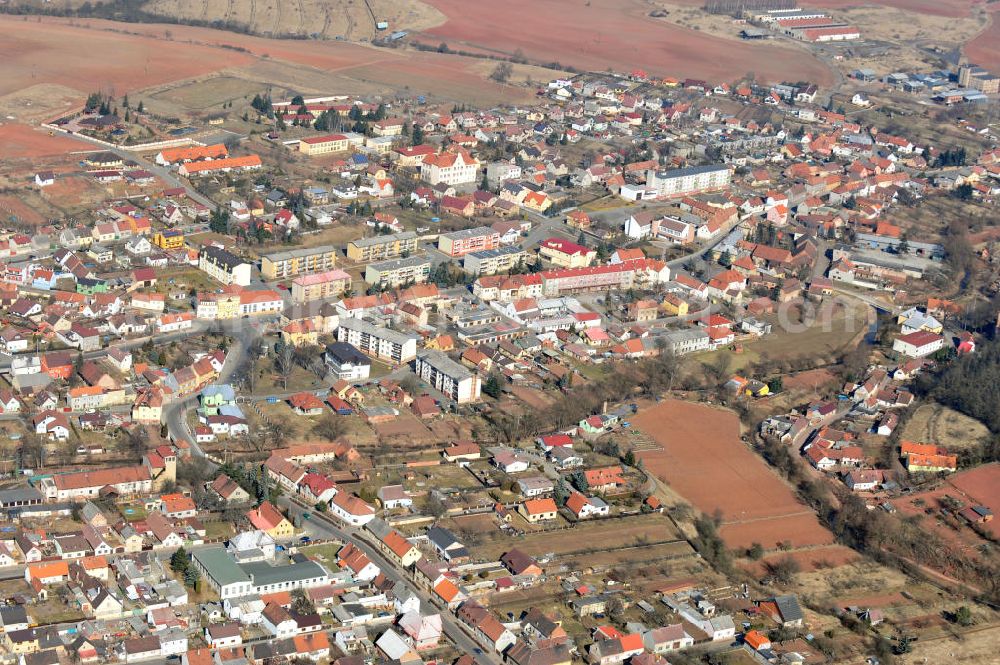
(218, 530)
(326, 553)
(132, 512)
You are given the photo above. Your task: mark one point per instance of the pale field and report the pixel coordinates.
(344, 19)
(204, 93)
(852, 581)
(38, 103)
(935, 423)
(975, 647)
(905, 28)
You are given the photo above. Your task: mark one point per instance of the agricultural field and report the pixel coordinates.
(603, 33)
(22, 141)
(985, 48)
(702, 458)
(202, 94)
(45, 49)
(978, 486)
(936, 423)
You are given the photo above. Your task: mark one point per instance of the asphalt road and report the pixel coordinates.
(175, 416)
(325, 525)
(243, 332)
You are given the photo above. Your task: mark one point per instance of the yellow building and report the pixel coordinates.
(281, 265)
(378, 248)
(566, 254)
(322, 145)
(169, 239)
(148, 407)
(301, 332)
(267, 518)
(538, 510)
(215, 306)
(228, 306)
(675, 306)
(320, 285)
(22, 642)
(388, 127)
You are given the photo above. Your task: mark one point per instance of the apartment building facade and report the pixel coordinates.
(452, 379)
(691, 180)
(282, 265)
(460, 243)
(492, 261)
(379, 248)
(396, 272)
(378, 342)
(323, 145)
(224, 266)
(319, 286)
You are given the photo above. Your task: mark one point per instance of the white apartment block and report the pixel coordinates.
(455, 381)
(378, 342)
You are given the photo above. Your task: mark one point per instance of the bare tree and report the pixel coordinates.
(330, 427)
(284, 363)
(502, 72)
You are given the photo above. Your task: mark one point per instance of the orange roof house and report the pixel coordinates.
(605, 477)
(907, 448)
(402, 549)
(46, 572)
(228, 164)
(190, 154)
(756, 640)
(267, 518)
(539, 509)
(306, 403)
(177, 503)
(448, 591)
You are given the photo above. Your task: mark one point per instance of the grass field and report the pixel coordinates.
(587, 538)
(936, 423)
(327, 553)
(202, 94)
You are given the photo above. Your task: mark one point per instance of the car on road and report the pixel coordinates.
(307, 516)
(305, 539)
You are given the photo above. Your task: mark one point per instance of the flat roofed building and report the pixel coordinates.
(459, 243)
(378, 248)
(492, 261)
(320, 285)
(378, 342)
(691, 180)
(452, 379)
(396, 272)
(680, 342)
(346, 362)
(281, 265)
(235, 580)
(322, 145)
(222, 573)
